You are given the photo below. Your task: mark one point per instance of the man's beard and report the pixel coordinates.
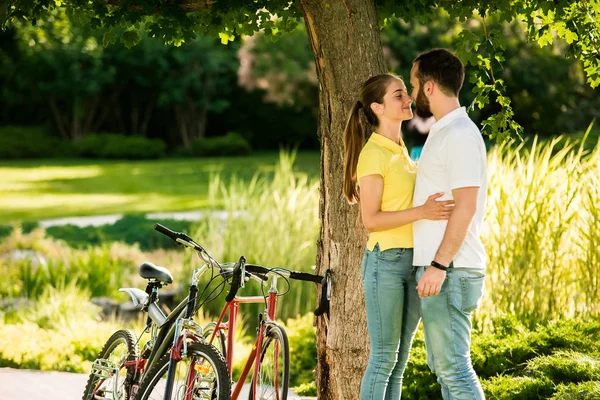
(422, 105)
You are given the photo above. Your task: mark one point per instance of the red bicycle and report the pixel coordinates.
(270, 376)
(177, 362)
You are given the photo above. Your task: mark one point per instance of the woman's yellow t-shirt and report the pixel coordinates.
(382, 156)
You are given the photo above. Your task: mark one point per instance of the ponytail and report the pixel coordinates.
(354, 140)
(372, 91)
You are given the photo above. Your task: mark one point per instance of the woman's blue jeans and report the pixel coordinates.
(393, 314)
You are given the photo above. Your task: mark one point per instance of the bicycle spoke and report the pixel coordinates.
(195, 379)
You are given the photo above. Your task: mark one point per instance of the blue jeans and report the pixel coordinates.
(392, 318)
(447, 325)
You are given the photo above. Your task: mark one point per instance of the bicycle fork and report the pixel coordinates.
(263, 326)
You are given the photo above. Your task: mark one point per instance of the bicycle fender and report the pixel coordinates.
(138, 296)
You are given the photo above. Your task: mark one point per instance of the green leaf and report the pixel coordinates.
(570, 37)
(226, 37)
(130, 38)
(545, 38)
(109, 38)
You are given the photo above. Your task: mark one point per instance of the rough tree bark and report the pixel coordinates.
(345, 41)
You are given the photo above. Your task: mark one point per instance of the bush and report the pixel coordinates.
(114, 146)
(232, 144)
(27, 142)
(494, 353)
(5, 230)
(565, 367)
(303, 349)
(138, 229)
(306, 389)
(62, 333)
(130, 229)
(76, 236)
(517, 388)
(44, 263)
(578, 391)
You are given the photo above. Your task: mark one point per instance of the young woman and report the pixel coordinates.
(386, 179)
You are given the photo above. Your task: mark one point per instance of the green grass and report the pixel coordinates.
(32, 190)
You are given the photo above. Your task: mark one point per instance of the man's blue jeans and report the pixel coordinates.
(447, 325)
(392, 319)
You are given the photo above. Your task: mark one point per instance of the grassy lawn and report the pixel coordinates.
(39, 189)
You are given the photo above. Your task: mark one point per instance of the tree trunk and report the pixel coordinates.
(345, 40)
(59, 118)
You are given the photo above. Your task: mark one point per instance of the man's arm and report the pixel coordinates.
(465, 207)
(375, 220)
(464, 210)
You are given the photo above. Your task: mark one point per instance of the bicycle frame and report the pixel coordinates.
(166, 330)
(231, 309)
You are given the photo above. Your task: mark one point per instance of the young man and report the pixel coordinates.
(450, 256)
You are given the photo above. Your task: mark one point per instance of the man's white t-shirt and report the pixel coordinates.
(453, 157)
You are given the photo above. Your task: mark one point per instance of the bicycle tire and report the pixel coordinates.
(220, 342)
(268, 387)
(197, 351)
(94, 386)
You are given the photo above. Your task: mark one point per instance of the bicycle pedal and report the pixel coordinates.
(103, 368)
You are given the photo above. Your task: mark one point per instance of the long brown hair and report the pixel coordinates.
(372, 91)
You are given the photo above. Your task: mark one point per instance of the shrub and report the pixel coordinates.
(5, 230)
(76, 236)
(131, 229)
(47, 263)
(138, 229)
(517, 388)
(27, 142)
(114, 146)
(303, 349)
(565, 367)
(58, 308)
(306, 389)
(494, 353)
(231, 144)
(578, 391)
(62, 333)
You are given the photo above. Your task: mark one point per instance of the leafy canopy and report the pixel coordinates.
(575, 22)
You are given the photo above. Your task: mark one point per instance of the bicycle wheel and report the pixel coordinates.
(274, 368)
(108, 373)
(202, 375)
(219, 341)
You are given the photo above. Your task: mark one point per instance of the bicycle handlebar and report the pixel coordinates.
(236, 279)
(166, 231)
(256, 271)
(324, 281)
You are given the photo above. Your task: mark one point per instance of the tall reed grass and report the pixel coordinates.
(541, 231)
(273, 221)
(541, 234)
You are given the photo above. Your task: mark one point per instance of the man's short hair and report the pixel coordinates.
(442, 67)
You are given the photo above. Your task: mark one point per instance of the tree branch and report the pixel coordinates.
(185, 5)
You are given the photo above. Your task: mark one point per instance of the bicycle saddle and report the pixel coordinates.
(150, 271)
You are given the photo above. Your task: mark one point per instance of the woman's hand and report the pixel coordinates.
(437, 210)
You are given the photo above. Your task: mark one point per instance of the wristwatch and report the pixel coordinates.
(437, 265)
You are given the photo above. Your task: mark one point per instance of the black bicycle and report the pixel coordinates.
(176, 361)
